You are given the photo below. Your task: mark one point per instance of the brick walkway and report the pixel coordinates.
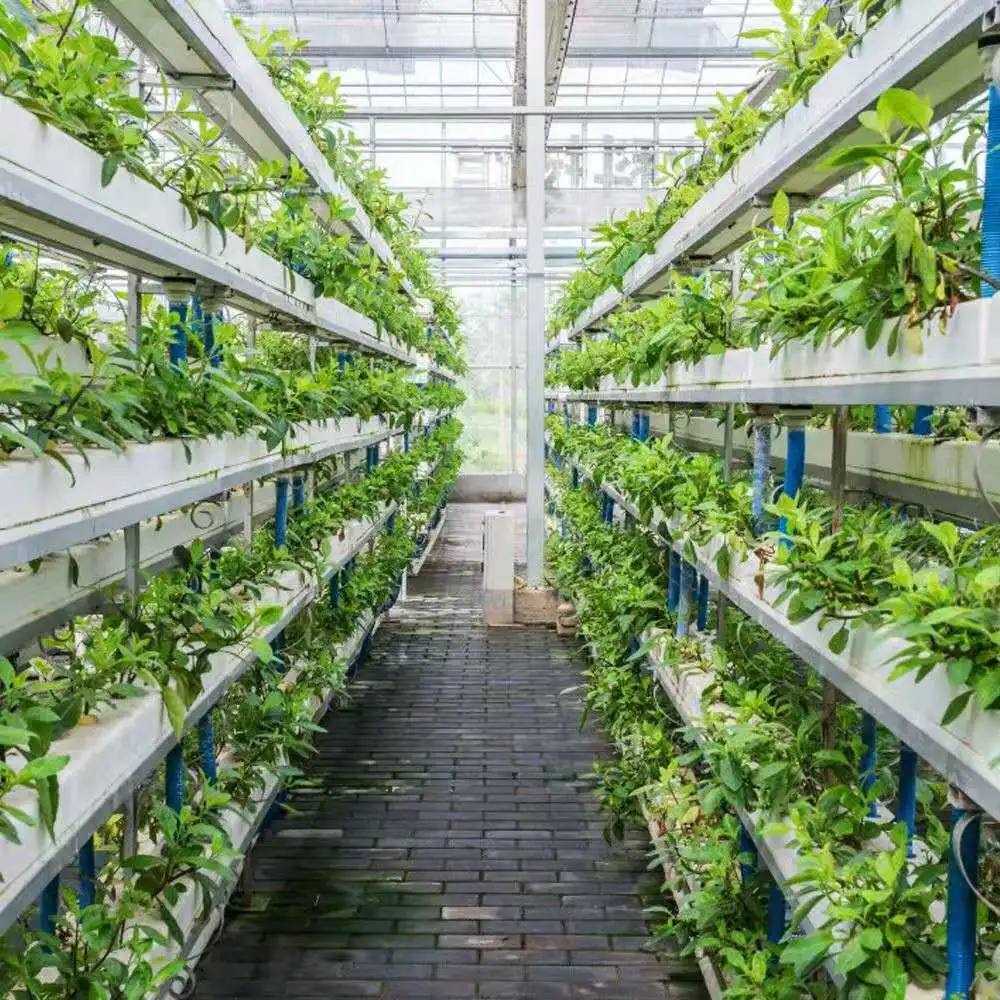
(450, 847)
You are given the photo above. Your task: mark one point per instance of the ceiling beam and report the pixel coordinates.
(504, 111)
(615, 53)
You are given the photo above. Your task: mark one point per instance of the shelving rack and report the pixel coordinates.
(932, 50)
(200, 48)
(929, 48)
(53, 191)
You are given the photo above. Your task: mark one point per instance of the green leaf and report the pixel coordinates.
(851, 957)
(871, 939)
(176, 711)
(806, 953)
(908, 109)
(11, 303)
(262, 650)
(838, 641)
(42, 767)
(109, 168)
(781, 210)
(956, 708)
(988, 688)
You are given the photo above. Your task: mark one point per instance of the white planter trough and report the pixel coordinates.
(110, 757)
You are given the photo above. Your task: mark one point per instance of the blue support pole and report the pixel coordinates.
(566, 415)
(684, 602)
(761, 471)
(795, 463)
(883, 419)
(922, 421)
(747, 846)
(869, 759)
(298, 491)
(48, 906)
(406, 442)
(635, 425)
(990, 222)
(775, 915)
(960, 944)
(335, 590)
(281, 512)
(87, 864)
(591, 416)
(702, 603)
(908, 790)
(342, 359)
(643, 426)
(178, 346)
(175, 779)
(576, 477)
(674, 582)
(206, 747)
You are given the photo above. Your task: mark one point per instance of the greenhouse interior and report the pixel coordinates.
(499, 499)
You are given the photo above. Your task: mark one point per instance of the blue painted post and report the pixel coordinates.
(280, 539)
(922, 420)
(576, 477)
(908, 790)
(298, 491)
(869, 759)
(775, 915)
(702, 603)
(281, 511)
(206, 747)
(87, 863)
(883, 419)
(635, 425)
(961, 904)
(335, 589)
(342, 358)
(795, 462)
(178, 346)
(761, 470)
(643, 426)
(175, 779)
(747, 846)
(48, 906)
(406, 442)
(674, 582)
(566, 415)
(591, 416)
(990, 260)
(684, 602)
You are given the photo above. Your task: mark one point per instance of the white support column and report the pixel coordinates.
(535, 217)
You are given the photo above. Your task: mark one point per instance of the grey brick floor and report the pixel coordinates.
(451, 846)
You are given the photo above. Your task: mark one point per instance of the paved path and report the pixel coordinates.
(451, 847)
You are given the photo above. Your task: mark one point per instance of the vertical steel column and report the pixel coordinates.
(869, 759)
(922, 420)
(775, 914)
(175, 779)
(48, 906)
(908, 767)
(883, 419)
(643, 426)
(576, 477)
(206, 746)
(591, 416)
(727, 471)
(178, 346)
(298, 491)
(281, 511)
(795, 462)
(747, 846)
(87, 864)
(963, 868)
(761, 468)
(673, 581)
(702, 622)
(335, 590)
(534, 130)
(684, 603)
